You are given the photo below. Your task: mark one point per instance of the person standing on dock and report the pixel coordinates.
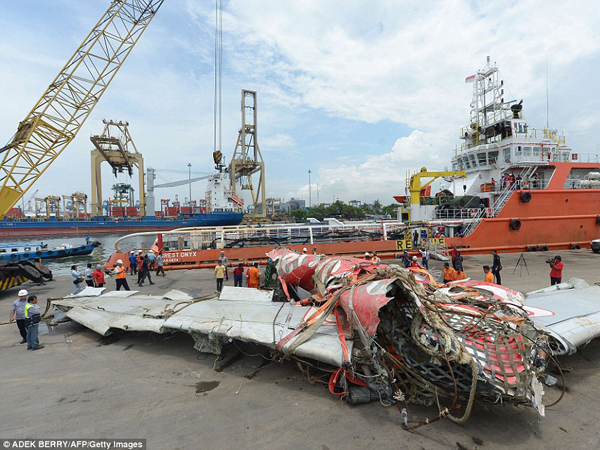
(457, 261)
(132, 263)
(160, 265)
(98, 276)
(253, 276)
(219, 275)
(151, 260)
(425, 258)
(139, 262)
(17, 311)
(33, 318)
(88, 275)
(121, 273)
(225, 263)
(496, 267)
(489, 276)
(556, 266)
(450, 273)
(77, 280)
(238, 274)
(145, 271)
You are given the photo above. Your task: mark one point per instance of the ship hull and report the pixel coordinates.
(106, 225)
(555, 218)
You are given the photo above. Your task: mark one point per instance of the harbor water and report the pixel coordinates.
(62, 266)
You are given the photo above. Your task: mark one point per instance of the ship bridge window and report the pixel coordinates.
(527, 152)
(506, 154)
(472, 159)
(481, 159)
(467, 165)
(492, 157)
(537, 152)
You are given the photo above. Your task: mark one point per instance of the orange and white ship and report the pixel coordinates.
(520, 188)
(512, 188)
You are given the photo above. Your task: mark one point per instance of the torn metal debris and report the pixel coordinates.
(377, 332)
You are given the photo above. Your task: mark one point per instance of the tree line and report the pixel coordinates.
(343, 210)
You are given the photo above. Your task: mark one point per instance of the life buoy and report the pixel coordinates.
(515, 224)
(525, 197)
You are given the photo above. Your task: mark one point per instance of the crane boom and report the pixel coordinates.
(181, 182)
(60, 113)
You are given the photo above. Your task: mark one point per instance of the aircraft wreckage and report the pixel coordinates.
(378, 332)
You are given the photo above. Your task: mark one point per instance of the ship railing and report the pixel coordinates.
(543, 133)
(461, 213)
(219, 238)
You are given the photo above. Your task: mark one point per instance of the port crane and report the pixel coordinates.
(59, 114)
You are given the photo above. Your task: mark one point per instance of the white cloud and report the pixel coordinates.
(407, 63)
(277, 141)
(403, 62)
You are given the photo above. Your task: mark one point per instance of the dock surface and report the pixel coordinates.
(157, 387)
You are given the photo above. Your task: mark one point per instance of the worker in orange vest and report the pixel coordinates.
(449, 273)
(253, 276)
(460, 275)
(121, 273)
(489, 276)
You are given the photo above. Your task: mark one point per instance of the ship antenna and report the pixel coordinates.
(547, 101)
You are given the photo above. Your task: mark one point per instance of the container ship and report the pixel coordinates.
(223, 210)
(512, 188)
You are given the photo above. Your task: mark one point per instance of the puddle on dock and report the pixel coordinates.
(205, 386)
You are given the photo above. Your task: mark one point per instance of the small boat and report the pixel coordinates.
(39, 250)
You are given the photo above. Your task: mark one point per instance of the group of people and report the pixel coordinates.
(141, 264)
(89, 277)
(26, 313)
(222, 273)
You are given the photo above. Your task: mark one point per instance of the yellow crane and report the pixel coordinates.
(60, 113)
(415, 186)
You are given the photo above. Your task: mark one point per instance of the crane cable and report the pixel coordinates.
(217, 138)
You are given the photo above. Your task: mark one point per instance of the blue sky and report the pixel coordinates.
(357, 92)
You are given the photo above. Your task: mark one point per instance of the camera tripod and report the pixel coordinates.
(520, 264)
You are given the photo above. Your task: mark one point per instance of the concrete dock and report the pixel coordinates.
(157, 387)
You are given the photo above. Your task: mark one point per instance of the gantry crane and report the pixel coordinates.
(60, 113)
(116, 147)
(247, 159)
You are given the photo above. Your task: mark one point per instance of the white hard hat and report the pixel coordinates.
(119, 261)
(222, 252)
(23, 293)
(151, 251)
(366, 253)
(140, 251)
(131, 251)
(304, 249)
(414, 258)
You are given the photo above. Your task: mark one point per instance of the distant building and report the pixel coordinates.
(355, 203)
(292, 205)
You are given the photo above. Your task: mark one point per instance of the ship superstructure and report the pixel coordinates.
(520, 186)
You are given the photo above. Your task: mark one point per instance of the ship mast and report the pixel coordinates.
(488, 110)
